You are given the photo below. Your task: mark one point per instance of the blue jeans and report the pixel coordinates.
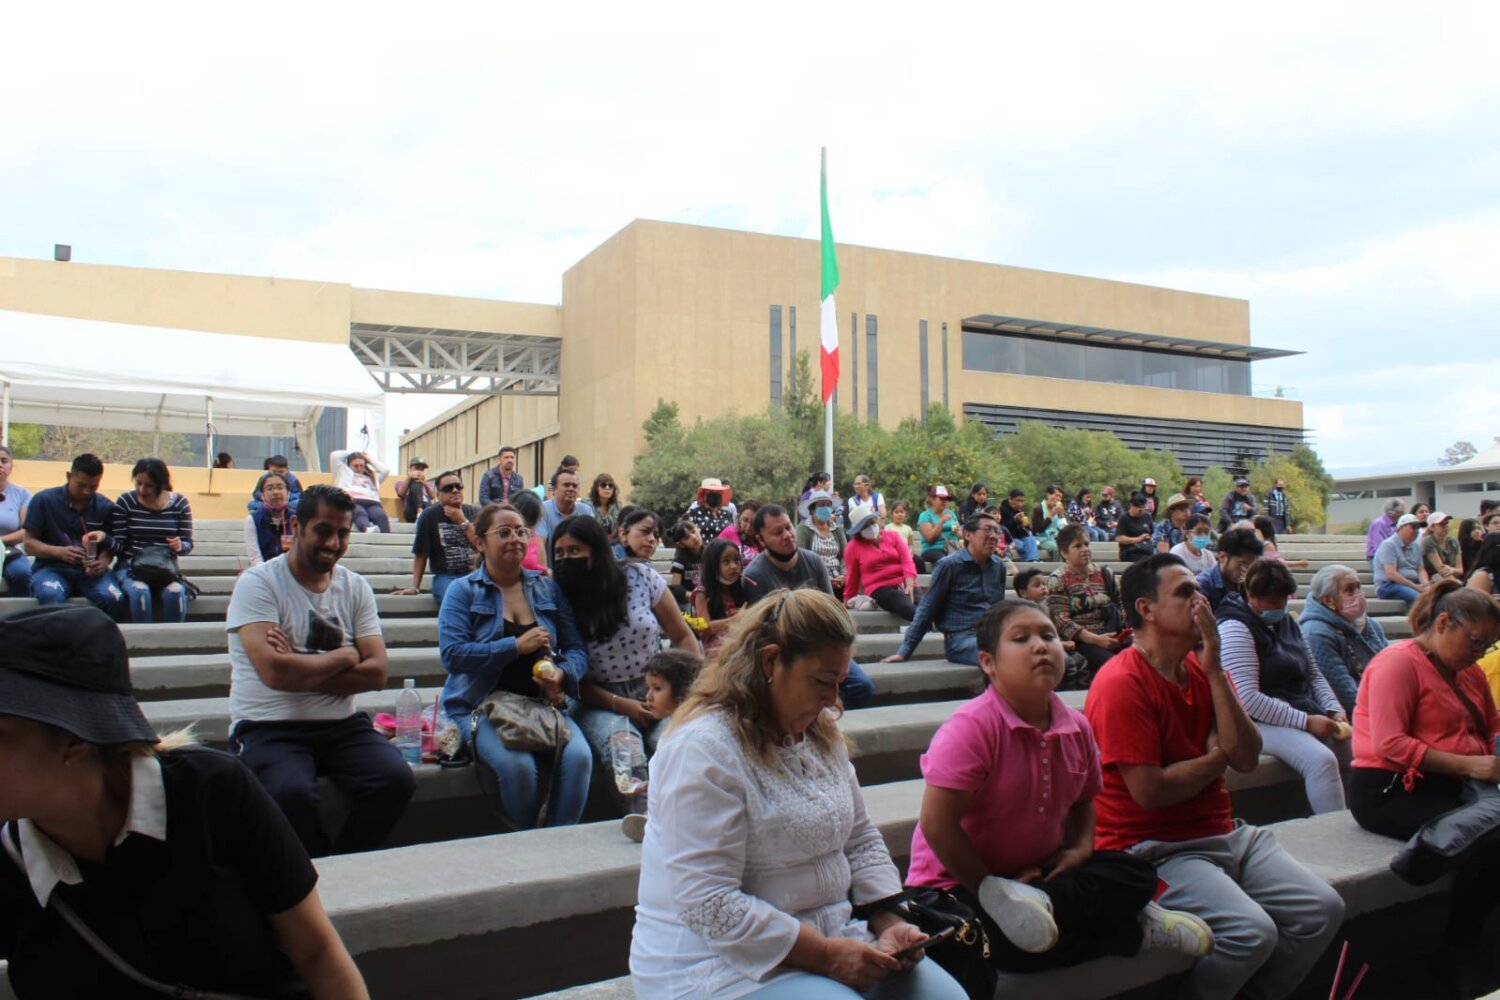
(926, 981)
(857, 689)
(17, 575)
(599, 724)
(440, 584)
(961, 647)
(520, 776)
(139, 598)
(1386, 590)
(369, 513)
(1026, 548)
(1096, 533)
(55, 584)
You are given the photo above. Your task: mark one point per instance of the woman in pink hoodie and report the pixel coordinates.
(878, 564)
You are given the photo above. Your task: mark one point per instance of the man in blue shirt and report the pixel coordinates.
(964, 586)
(499, 484)
(1399, 572)
(278, 465)
(63, 525)
(1238, 548)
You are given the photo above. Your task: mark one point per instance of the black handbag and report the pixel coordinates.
(1445, 842)
(966, 955)
(156, 566)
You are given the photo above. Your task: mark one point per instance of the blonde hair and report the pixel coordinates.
(797, 622)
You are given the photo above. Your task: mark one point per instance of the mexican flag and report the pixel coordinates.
(828, 320)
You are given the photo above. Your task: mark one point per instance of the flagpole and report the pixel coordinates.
(828, 397)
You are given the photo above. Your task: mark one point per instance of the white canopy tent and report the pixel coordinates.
(91, 373)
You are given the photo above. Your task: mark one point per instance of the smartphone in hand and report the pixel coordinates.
(912, 951)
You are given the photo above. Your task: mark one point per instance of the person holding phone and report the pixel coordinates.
(761, 872)
(1007, 820)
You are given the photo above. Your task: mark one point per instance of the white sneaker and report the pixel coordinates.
(1022, 912)
(372, 529)
(634, 826)
(1174, 930)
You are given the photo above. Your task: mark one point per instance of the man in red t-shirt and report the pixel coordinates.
(1167, 722)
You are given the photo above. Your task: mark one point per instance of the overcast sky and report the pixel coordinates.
(1336, 164)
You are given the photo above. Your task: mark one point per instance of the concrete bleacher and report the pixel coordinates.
(411, 914)
(492, 914)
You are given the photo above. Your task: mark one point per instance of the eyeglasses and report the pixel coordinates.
(985, 529)
(1476, 646)
(451, 488)
(506, 533)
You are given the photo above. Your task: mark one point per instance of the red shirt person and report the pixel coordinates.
(1168, 723)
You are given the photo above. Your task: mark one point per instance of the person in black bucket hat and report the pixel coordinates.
(136, 865)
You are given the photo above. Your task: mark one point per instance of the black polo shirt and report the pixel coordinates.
(189, 910)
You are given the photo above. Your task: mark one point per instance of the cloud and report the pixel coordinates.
(1334, 163)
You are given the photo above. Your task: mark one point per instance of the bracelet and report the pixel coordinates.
(614, 703)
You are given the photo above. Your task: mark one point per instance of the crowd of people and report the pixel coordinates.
(709, 693)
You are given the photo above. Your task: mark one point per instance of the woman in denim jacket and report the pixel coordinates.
(495, 625)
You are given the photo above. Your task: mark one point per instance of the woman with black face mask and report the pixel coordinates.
(622, 612)
(712, 512)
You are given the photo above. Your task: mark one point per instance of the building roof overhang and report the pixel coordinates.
(1104, 336)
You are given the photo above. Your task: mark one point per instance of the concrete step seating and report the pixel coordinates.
(408, 914)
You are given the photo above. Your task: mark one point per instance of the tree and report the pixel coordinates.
(25, 440)
(1458, 451)
(114, 447)
(764, 456)
(1077, 459)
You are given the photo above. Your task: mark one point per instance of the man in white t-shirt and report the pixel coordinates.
(304, 639)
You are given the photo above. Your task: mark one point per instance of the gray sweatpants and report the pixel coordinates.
(1272, 918)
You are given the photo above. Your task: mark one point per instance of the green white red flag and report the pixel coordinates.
(828, 318)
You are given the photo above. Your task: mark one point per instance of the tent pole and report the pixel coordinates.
(5, 414)
(208, 438)
(156, 432)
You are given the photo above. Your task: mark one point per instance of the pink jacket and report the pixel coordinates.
(868, 566)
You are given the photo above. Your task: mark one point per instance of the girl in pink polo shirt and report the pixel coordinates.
(1007, 822)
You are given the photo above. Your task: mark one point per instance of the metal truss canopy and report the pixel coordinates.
(461, 362)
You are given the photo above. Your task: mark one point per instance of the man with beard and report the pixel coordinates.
(304, 639)
(783, 566)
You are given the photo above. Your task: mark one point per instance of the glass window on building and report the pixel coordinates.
(776, 365)
(1050, 358)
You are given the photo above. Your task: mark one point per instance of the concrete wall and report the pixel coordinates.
(213, 493)
(1438, 487)
(451, 312)
(316, 311)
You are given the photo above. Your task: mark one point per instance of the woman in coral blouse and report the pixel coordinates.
(1424, 721)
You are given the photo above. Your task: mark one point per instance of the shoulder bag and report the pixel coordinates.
(966, 955)
(156, 566)
(525, 724)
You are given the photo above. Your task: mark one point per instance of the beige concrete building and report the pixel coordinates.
(711, 319)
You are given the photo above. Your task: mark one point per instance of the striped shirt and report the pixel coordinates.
(133, 526)
(1237, 653)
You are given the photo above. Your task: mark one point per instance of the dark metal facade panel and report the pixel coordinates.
(1196, 444)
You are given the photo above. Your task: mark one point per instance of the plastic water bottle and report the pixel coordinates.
(627, 758)
(409, 723)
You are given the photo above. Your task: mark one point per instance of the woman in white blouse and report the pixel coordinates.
(759, 851)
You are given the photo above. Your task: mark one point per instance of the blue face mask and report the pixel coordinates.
(1273, 617)
(823, 513)
(1200, 542)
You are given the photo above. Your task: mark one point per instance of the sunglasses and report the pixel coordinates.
(451, 488)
